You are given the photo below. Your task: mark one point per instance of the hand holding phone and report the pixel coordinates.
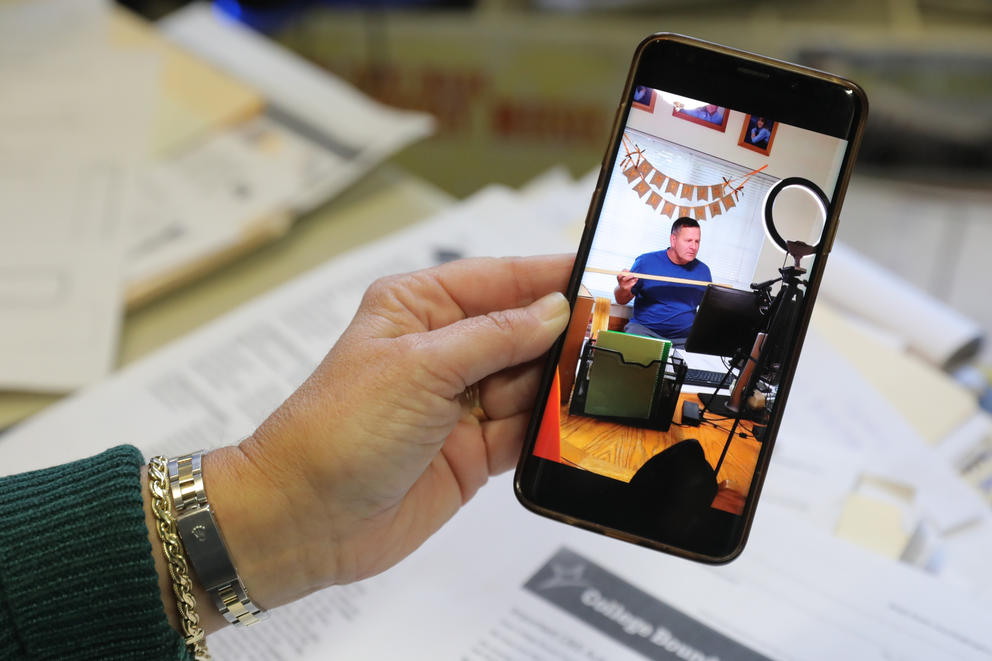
(704, 246)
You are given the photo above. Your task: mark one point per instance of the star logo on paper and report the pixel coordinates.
(563, 576)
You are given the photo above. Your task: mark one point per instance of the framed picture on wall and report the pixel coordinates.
(644, 98)
(710, 115)
(758, 133)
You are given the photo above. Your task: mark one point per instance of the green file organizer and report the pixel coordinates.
(629, 379)
(635, 348)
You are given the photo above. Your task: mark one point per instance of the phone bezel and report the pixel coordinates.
(736, 79)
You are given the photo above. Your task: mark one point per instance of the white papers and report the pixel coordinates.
(798, 592)
(120, 195)
(246, 183)
(68, 147)
(932, 403)
(306, 98)
(831, 405)
(500, 583)
(60, 326)
(937, 239)
(234, 188)
(214, 386)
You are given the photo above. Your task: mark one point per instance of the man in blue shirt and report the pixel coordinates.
(666, 309)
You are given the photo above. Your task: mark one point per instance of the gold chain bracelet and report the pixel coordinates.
(182, 585)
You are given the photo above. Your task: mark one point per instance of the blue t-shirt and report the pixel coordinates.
(668, 308)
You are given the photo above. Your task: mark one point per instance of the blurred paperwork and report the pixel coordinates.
(129, 165)
(847, 464)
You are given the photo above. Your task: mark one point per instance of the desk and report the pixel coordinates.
(385, 200)
(617, 451)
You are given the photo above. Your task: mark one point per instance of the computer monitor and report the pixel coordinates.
(726, 322)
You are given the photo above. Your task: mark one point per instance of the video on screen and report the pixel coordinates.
(691, 298)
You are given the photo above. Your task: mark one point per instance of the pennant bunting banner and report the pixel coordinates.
(633, 154)
(724, 195)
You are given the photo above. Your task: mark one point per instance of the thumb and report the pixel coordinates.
(471, 349)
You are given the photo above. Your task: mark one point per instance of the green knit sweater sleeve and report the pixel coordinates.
(77, 579)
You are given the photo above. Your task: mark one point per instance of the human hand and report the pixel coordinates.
(626, 281)
(376, 450)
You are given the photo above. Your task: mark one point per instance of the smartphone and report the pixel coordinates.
(693, 285)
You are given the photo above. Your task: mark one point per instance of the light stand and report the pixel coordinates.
(779, 327)
(784, 310)
(715, 400)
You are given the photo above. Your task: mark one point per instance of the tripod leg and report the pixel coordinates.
(726, 446)
(748, 373)
(745, 383)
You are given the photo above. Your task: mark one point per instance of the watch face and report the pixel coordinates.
(203, 543)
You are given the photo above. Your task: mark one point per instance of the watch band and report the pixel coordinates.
(204, 543)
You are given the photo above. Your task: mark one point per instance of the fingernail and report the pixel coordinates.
(552, 310)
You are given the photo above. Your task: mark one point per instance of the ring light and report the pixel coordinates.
(799, 182)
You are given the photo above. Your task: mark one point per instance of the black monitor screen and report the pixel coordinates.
(726, 322)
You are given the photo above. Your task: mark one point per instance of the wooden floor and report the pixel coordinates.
(617, 450)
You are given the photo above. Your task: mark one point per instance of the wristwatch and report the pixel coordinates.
(205, 545)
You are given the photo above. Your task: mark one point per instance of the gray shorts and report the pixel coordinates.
(638, 329)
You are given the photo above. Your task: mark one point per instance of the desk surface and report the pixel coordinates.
(385, 200)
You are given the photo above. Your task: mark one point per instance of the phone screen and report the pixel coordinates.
(692, 290)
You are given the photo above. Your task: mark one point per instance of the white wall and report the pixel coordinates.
(628, 226)
(795, 152)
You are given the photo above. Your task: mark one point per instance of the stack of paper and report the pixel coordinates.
(129, 165)
(818, 580)
(68, 148)
(186, 392)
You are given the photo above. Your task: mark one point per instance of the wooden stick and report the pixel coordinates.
(662, 278)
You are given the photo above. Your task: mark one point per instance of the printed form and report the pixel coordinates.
(499, 583)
